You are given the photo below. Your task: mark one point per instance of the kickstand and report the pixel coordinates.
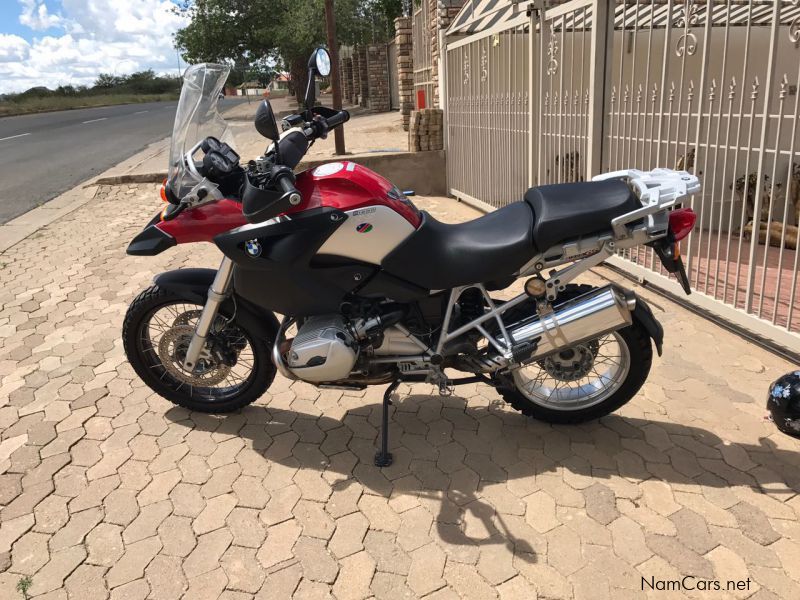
(383, 458)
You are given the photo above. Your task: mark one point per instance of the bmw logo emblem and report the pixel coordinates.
(253, 248)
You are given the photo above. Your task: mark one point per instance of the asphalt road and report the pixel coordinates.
(43, 155)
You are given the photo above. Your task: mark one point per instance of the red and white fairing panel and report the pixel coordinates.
(380, 217)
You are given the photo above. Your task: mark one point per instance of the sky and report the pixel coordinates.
(70, 42)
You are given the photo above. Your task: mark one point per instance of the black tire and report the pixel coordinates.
(640, 350)
(137, 318)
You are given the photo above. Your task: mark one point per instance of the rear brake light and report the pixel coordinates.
(681, 222)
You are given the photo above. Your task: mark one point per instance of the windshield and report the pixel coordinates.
(197, 118)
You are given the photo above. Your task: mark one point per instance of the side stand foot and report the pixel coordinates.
(383, 458)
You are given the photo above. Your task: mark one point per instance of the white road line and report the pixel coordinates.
(95, 120)
(11, 137)
(141, 112)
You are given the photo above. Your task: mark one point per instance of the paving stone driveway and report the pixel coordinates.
(107, 490)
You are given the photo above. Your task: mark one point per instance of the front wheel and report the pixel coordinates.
(234, 369)
(583, 382)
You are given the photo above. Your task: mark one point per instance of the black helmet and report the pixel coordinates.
(784, 403)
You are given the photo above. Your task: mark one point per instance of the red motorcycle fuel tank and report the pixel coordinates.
(380, 217)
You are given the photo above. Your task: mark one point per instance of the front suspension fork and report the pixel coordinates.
(217, 293)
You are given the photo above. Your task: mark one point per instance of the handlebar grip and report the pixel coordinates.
(287, 185)
(338, 119)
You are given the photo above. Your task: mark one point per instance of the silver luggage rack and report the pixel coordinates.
(658, 190)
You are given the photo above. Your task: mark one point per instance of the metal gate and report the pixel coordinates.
(422, 55)
(487, 116)
(710, 86)
(570, 83)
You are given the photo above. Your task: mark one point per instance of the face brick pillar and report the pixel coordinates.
(363, 75)
(356, 89)
(444, 12)
(378, 65)
(347, 79)
(405, 67)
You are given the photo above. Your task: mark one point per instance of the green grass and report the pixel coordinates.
(23, 585)
(53, 103)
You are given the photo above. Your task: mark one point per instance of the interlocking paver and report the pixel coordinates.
(318, 564)
(105, 486)
(132, 564)
(242, 569)
(86, 582)
(104, 544)
(206, 554)
(278, 546)
(30, 553)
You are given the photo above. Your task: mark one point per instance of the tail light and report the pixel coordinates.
(681, 222)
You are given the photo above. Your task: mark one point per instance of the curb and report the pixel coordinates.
(132, 178)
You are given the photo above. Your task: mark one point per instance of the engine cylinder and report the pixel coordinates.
(324, 350)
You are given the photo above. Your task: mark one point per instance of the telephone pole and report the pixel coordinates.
(330, 26)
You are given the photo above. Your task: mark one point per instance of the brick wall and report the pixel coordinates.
(378, 74)
(363, 75)
(356, 85)
(347, 79)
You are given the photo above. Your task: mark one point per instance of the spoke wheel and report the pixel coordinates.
(234, 367)
(225, 364)
(584, 382)
(578, 377)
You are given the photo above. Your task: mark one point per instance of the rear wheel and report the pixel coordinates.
(585, 381)
(234, 368)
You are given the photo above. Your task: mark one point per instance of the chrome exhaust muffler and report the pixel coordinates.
(586, 317)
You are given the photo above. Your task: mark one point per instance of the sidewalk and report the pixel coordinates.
(107, 490)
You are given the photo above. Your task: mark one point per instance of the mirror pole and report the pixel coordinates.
(330, 26)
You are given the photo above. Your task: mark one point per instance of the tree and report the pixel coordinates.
(279, 32)
(106, 80)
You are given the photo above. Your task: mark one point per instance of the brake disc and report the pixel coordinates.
(172, 351)
(573, 363)
(185, 317)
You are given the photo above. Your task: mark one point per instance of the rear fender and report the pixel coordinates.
(644, 316)
(193, 284)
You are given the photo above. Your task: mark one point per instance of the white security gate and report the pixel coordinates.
(710, 86)
(488, 87)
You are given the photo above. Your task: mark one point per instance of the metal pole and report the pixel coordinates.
(330, 27)
(601, 36)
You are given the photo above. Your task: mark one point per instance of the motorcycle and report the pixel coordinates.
(373, 291)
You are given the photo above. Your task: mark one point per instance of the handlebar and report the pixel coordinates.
(339, 118)
(285, 180)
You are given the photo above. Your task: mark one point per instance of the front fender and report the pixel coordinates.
(644, 315)
(193, 284)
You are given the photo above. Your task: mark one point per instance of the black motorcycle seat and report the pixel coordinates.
(439, 256)
(571, 210)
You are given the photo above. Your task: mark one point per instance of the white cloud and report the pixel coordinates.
(98, 36)
(13, 48)
(36, 15)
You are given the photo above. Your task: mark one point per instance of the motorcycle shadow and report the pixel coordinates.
(454, 457)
